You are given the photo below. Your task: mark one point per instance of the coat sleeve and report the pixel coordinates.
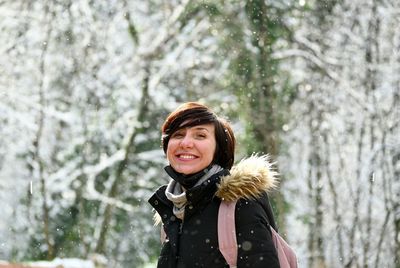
(264, 201)
(256, 248)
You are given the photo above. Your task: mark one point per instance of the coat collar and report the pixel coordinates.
(249, 179)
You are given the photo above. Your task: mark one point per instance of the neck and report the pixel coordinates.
(186, 180)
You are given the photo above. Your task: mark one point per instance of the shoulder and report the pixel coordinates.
(250, 179)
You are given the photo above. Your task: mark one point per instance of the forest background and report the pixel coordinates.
(86, 84)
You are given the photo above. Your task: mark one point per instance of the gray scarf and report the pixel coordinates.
(177, 194)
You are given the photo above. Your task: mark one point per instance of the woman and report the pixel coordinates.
(200, 149)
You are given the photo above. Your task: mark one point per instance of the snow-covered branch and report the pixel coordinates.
(165, 32)
(183, 43)
(92, 194)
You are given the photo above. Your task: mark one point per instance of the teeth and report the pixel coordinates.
(186, 156)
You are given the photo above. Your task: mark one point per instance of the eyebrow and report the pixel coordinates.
(199, 128)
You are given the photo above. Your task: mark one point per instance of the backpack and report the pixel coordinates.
(228, 244)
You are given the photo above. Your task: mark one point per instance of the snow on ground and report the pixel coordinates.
(56, 263)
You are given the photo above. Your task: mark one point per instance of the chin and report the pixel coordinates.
(186, 171)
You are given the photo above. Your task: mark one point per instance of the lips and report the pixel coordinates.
(186, 156)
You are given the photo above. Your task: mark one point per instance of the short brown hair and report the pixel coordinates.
(192, 114)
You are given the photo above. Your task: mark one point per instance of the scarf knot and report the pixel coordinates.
(176, 193)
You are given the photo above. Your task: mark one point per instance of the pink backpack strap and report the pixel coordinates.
(287, 256)
(227, 232)
(163, 235)
(228, 244)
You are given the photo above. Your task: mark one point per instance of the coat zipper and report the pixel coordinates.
(181, 227)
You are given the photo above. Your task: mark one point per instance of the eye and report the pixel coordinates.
(177, 135)
(201, 135)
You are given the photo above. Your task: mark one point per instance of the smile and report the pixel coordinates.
(186, 156)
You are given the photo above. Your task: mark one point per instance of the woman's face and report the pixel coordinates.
(192, 149)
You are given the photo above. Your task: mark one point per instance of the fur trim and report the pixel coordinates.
(248, 179)
(156, 218)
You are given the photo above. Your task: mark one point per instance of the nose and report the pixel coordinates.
(186, 142)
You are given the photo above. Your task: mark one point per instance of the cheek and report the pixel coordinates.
(168, 154)
(170, 149)
(212, 151)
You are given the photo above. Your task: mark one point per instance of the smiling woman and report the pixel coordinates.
(192, 149)
(200, 147)
(195, 114)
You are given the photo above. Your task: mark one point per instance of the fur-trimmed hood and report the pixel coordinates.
(248, 179)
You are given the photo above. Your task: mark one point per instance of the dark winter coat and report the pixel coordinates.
(194, 242)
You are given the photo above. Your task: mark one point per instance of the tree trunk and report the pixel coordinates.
(315, 185)
(372, 59)
(37, 143)
(332, 187)
(263, 100)
(396, 209)
(129, 149)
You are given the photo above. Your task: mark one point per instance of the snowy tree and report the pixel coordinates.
(86, 86)
(344, 134)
